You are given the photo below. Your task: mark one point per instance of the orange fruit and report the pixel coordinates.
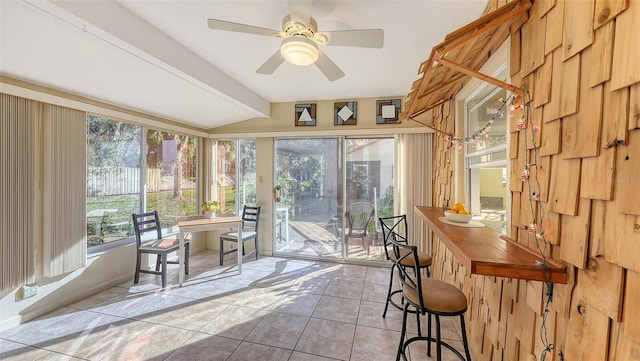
(464, 211)
(452, 211)
(458, 207)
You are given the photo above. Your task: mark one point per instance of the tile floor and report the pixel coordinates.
(277, 309)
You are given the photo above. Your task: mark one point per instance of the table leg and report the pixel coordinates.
(286, 224)
(181, 258)
(240, 248)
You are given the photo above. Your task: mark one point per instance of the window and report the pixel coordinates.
(113, 178)
(235, 165)
(116, 183)
(171, 176)
(486, 156)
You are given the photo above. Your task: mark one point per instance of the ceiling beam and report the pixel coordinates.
(117, 25)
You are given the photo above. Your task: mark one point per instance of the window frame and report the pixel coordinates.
(472, 190)
(238, 181)
(143, 182)
(495, 65)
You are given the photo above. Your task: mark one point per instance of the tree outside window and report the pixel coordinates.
(115, 177)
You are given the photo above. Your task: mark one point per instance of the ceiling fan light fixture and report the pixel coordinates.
(299, 50)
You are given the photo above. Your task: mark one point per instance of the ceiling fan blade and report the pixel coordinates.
(300, 10)
(271, 64)
(328, 67)
(364, 38)
(240, 28)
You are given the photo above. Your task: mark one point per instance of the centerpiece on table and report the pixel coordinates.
(458, 213)
(209, 208)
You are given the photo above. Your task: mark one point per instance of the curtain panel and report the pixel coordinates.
(64, 196)
(414, 184)
(18, 190)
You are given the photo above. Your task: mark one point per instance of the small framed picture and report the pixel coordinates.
(345, 113)
(387, 111)
(305, 114)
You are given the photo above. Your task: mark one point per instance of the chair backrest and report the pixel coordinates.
(410, 277)
(146, 222)
(251, 216)
(359, 215)
(394, 227)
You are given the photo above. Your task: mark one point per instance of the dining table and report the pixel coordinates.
(202, 223)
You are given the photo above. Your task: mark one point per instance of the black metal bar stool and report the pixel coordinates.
(428, 297)
(395, 227)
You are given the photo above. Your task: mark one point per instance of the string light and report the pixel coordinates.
(536, 227)
(483, 132)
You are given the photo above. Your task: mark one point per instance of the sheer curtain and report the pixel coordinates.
(414, 183)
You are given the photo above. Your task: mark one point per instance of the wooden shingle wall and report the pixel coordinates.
(579, 61)
(443, 156)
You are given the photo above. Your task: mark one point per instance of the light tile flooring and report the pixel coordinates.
(277, 309)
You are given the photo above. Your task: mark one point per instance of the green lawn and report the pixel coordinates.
(115, 222)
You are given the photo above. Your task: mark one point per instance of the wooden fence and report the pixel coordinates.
(120, 180)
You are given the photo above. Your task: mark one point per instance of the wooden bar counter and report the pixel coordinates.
(484, 252)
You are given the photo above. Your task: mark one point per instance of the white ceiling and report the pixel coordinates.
(160, 57)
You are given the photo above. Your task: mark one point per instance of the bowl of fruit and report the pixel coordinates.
(458, 213)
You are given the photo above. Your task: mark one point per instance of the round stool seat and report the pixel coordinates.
(438, 297)
(424, 259)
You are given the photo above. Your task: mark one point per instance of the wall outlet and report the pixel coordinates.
(29, 290)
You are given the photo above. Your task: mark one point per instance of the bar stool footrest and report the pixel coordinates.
(400, 307)
(408, 341)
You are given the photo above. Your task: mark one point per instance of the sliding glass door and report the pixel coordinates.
(308, 193)
(329, 194)
(369, 194)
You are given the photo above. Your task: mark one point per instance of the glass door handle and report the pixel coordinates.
(276, 194)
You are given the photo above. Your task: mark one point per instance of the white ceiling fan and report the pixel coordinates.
(300, 40)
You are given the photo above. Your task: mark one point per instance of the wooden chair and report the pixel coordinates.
(427, 297)
(395, 227)
(161, 247)
(251, 220)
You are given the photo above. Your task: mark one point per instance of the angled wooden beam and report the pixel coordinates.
(498, 37)
(443, 85)
(479, 75)
(425, 78)
(410, 116)
(438, 103)
(478, 59)
(463, 52)
(445, 82)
